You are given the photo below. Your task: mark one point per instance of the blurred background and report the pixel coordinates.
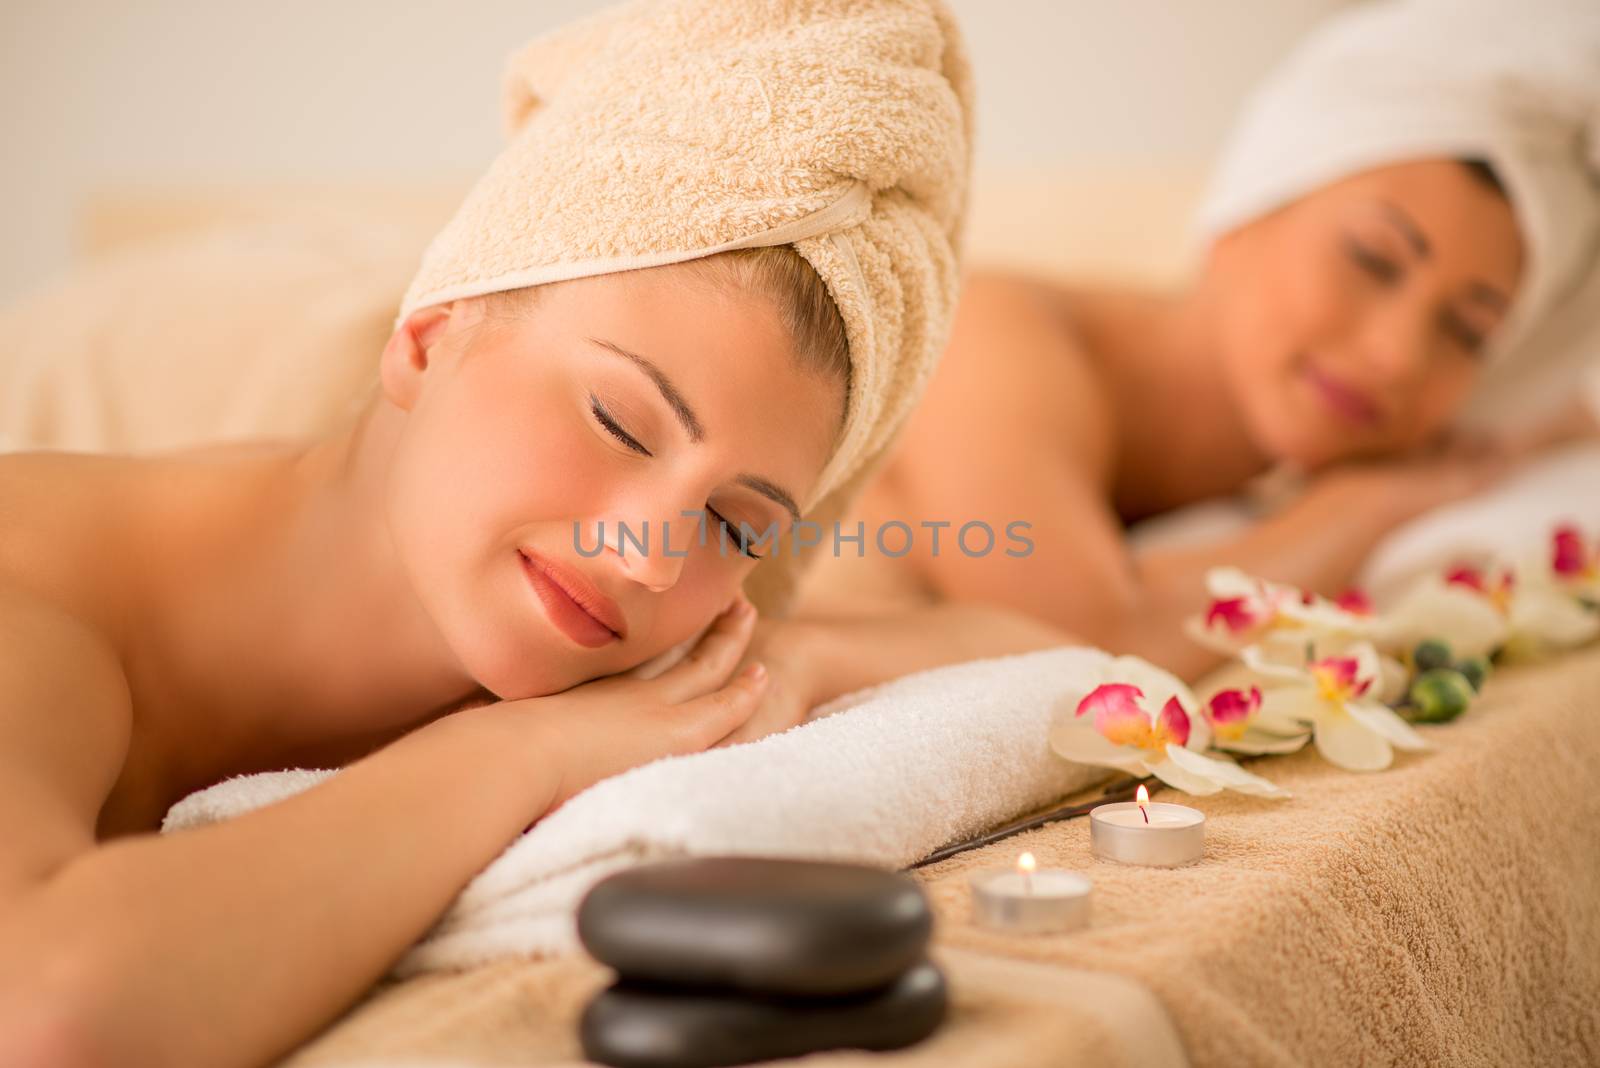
(123, 121)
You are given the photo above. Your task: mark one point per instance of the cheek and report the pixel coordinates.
(1438, 399)
(489, 455)
(709, 580)
(1286, 292)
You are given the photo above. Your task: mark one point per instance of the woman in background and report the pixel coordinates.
(1404, 201)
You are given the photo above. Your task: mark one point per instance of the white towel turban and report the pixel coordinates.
(661, 131)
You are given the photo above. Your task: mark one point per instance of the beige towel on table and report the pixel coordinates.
(1442, 912)
(666, 130)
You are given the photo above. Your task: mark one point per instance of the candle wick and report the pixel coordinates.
(1145, 813)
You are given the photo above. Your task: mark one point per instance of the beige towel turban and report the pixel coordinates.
(1516, 84)
(666, 130)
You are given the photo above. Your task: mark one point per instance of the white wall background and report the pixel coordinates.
(104, 94)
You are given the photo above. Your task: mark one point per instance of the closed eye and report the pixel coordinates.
(1378, 266)
(1462, 334)
(614, 428)
(728, 527)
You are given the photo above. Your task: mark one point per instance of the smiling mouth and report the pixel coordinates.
(1351, 404)
(572, 604)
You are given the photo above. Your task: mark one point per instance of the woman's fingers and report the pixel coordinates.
(712, 660)
(706, 720)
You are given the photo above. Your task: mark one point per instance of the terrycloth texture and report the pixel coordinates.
(667, 130)
(1004, 1013)
(890, 775)
(1442, 912)
(1517, 84)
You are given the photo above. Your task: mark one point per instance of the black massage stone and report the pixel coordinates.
(629, 1026)
(757, 924)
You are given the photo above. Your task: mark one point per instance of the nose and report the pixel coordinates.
(653, 553)
(1397, 343)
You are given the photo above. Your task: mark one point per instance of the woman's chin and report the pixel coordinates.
(515, 674)
(1306, 443)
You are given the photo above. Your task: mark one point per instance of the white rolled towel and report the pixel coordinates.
(884, 777)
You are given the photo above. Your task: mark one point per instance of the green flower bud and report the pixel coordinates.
(1431, 654)
(1476, 671)
(1440, 695)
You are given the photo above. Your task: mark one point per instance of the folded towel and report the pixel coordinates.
(1507, 522)
(1517, 85)
(1511, 522)
(667, 130)
(883, 777)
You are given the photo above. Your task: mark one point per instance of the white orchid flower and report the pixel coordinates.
(1146, 722)
(1466, 608)
(1557, 605)
(1335, 697)
(1530, 611)
(1277, 619)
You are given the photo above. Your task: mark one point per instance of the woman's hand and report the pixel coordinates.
(783, 647)
(602, 728)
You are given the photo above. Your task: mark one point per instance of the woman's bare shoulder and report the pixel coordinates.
(66, 724)
(1019, 369)
(55, 506)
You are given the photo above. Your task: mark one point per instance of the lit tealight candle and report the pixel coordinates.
(1156, 835)
(1028, 900)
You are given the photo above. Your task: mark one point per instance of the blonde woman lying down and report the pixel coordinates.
(413, 597)
(1379, 248)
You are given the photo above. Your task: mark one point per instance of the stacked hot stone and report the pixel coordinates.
(728, 960)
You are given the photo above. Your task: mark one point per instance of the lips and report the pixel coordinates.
(574, 604)
(1348, 402)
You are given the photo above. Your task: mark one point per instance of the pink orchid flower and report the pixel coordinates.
(1355, 601)
(1118, 717)
(1236, 725)
(1245, 610)
(1144, 721)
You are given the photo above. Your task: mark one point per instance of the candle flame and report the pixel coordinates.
(1026, 864)
(1143, 796)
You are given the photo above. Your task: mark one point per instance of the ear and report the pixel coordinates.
(408, 355)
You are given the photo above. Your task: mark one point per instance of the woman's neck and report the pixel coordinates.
(286, 611)
(1181, 437)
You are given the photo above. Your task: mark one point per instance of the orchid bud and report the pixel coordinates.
(1440, 695)
(1431, 654)
(1476, 670)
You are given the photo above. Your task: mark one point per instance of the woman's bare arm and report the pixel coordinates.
(232, 943)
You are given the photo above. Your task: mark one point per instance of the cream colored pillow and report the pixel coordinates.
(271, 328)
(258, 312)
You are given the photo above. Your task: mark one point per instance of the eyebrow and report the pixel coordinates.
(1481, 292)
(691, 422)
(1419, 240)
(669, 392)
(772, 492)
